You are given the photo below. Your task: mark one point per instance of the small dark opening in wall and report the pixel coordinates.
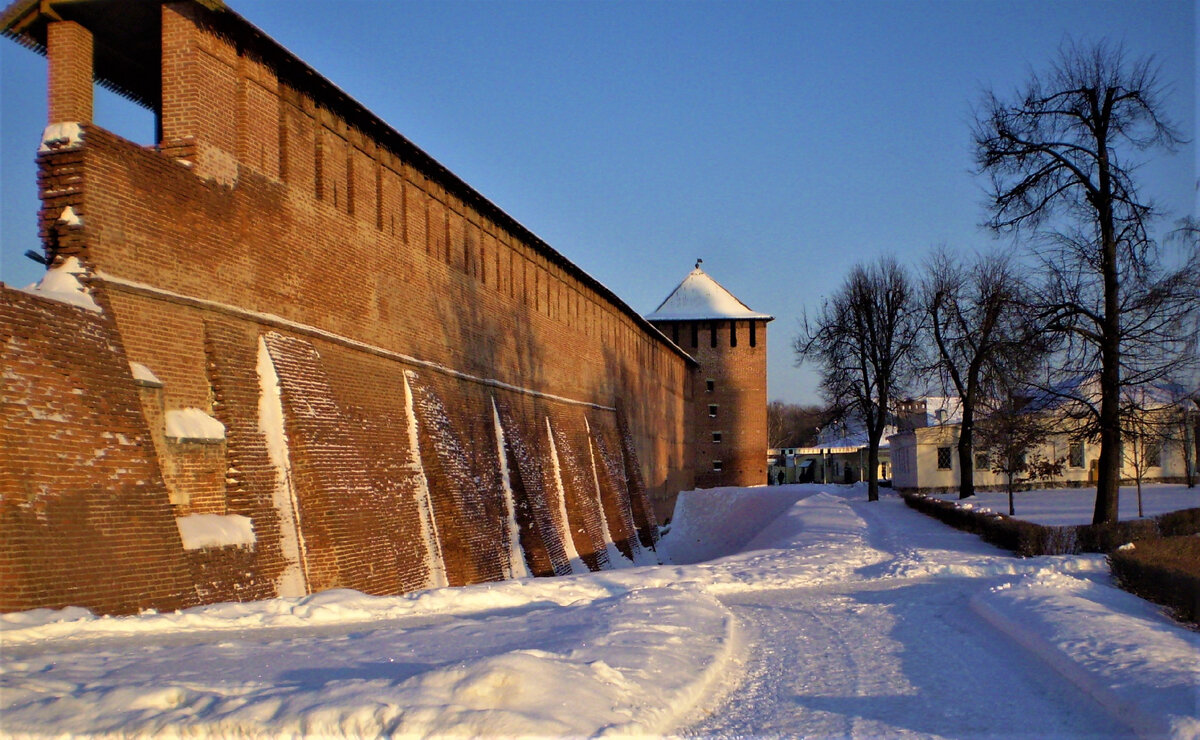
(695, 335)
(675, 334)
(718, 466)
(716, 438)
(712, 410)
(709, 385)
(753, 334)
(712, 334)
(732, 333)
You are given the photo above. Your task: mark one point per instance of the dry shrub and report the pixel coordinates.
(1165, 570)
(1026, 539)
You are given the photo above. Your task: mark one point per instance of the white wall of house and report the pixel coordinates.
(916, 461)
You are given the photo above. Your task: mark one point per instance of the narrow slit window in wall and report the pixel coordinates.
(753, 334)
(695, 335)
(709, 385)
(712, 334)
(716, 438)
(732, 333)
(718, 466)
(712, 410)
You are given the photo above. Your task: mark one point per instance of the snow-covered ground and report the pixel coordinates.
(1063, 506)
(785, 611)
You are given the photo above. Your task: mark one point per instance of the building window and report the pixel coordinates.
(1075, 455)
(718, 466)
(753, 334)
(716, 438)
(695, 335)
(732, 333)
(1153, 455)
(981, 461)
(709, 385)
(675, 334)
(712, 334)
(712, 410)
(945, 458)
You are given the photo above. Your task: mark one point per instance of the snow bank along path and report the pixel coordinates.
(849, 588)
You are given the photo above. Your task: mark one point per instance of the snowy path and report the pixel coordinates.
(783, 612)
(894, 656)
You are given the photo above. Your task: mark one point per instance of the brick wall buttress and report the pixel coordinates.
(84, 514)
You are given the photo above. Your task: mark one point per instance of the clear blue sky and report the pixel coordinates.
(780, 141)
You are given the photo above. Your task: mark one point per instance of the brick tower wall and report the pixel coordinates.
(738, 376)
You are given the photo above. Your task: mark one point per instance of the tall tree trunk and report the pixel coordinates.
(966, 463)
(873, 469)
(1109, 475)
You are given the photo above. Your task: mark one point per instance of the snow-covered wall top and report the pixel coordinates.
(698, 298)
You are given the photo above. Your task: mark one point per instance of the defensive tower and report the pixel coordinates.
(729, 395)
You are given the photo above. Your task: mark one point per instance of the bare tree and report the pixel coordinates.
(861, 339)
(792, 424)
(976, 320)
(1058, 155)
(1007, 436)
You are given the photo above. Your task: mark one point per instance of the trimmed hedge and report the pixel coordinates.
(1027, 539)
(1165, 570)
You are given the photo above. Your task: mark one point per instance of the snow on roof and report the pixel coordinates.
(700, 297)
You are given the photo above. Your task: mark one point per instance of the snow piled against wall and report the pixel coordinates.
(61, 283)
(193, 424)
(199, 531)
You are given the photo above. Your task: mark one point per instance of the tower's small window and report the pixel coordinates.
(695, 335)
(712, 410)
(675, 333)
(716, 438)
(709, 385)
(718, 466)
(712, 334)
(732, 333)
(753, 334)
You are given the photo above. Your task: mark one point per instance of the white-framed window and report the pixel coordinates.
(712, 410)
(716, 438)
(718, 466)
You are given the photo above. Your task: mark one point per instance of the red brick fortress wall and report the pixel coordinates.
(453, 402)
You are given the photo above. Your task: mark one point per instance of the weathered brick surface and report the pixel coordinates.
(230, 355)
(579, 485)
(69, 92)
(84, 515)
(610, 471)
(531, 478)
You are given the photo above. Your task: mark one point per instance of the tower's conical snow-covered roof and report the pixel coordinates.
(700, 298)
